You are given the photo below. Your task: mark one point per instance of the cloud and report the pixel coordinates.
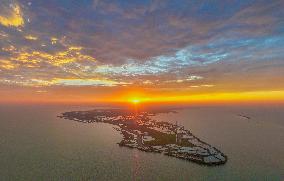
(30, 37)
(11, 15)
(87, 82)
(63, 82)
(146, 43)
(8, 65)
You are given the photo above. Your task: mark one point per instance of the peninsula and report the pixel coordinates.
(141, 131)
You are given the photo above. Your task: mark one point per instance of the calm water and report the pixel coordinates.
(36, 145)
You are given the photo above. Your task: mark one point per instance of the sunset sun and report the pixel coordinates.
(135, 101)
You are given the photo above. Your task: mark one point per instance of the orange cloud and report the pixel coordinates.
(30, 37)
(15, 17)
(8, 65)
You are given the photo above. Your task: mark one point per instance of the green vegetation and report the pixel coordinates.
(161, 139)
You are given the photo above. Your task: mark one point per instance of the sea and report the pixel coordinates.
(37, 145)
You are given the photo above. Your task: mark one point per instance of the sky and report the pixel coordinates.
(151, 50)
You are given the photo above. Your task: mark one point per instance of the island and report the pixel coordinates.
(141, 131)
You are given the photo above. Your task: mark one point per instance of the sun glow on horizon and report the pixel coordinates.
(135, 101)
